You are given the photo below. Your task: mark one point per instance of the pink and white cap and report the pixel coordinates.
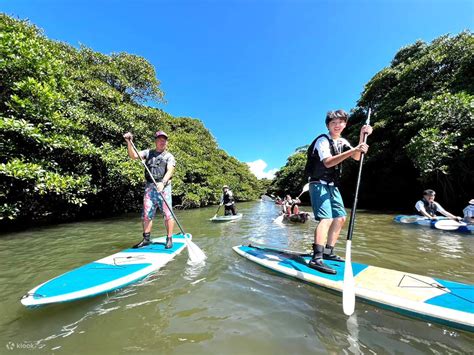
(161, 134)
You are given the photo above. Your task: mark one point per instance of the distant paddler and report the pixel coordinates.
(161, 164)
(469, 212)
(428, 208)
(227, 199)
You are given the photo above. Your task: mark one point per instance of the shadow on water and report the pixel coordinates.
(229, 305)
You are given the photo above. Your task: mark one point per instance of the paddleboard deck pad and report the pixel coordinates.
(431, 299)
(107, 274)
(226, 218)
(421, 221)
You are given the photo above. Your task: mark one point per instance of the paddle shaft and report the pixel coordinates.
(218, 208)
(156, 184)
(356, 196)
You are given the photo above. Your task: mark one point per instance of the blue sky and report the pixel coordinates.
(260, 74)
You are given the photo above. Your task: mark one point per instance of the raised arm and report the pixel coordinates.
(131, 152)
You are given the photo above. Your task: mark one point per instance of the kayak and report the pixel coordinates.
(443, 223)
(107, 274)
(301, 217)
(431, 299)
(226, 218)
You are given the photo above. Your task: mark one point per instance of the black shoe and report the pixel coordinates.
(143, 243)
(146, 241)
(330, 255)
(318, 264)
(169, 243)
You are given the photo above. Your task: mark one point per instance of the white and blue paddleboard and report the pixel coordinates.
(107, 274)
(428, 298)
(226, 218)
(442, 223)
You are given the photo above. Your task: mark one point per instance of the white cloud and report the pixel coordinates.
(258, 167)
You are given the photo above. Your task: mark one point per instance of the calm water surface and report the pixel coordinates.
(230, 305)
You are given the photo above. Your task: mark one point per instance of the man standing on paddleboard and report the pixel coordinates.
(324, 157)
(161, 163)
(227, 199)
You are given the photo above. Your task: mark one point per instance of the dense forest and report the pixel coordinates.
(63, 112)
(423, 119)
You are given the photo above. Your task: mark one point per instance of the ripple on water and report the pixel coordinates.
(229, 305)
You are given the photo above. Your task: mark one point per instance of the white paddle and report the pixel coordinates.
(448, 225)
(348, 290)
(217, 211)
(195, 254)
(305, 188)
(411, 219)
(279, 219)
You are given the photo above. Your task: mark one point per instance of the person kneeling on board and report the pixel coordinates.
(161, 163)
(429, 208)
(324, 157)
(227, 199)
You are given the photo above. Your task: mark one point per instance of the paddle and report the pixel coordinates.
(449, 225)
(217, 211)
(195, 254)
(348, 290)
(305, 189)
(411, 219)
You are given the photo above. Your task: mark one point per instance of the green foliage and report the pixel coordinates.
(423, 136)
(63, 112)
(290, 179)
(447, 129)
(423, 130)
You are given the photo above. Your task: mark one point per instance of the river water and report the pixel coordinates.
(230, 305)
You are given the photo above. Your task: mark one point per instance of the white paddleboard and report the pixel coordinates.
(105, 275)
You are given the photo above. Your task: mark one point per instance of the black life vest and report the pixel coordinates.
(430, 208)
(156, 162)
(228, 198)
(315, 168)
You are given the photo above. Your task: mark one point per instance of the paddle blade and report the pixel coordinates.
(305, 189)
(410, 219)
(195, 254)
(448, 225)
(348, 291)
(278, 220)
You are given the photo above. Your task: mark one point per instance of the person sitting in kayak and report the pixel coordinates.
(469, 212)
(324, 157)
(290, 205)
(429, 208)
(161, 164)
(227, 199)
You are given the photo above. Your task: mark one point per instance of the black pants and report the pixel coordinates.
(228, 210)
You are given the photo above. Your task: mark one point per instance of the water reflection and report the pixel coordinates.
(229, 305)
